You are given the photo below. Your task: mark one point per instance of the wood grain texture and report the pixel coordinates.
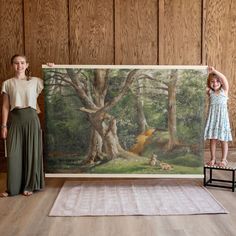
(11, 43)
(46, 36)
(11, 35)
(46, 33)
(91, 32)
(180, 32)
(136, 32)
(219, 46)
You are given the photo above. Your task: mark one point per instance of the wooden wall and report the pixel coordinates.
(121, 32)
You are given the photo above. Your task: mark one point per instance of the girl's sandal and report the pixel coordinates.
(223, 163)
(211, 163)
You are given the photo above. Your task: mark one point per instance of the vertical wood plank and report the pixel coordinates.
(11, 34)
(46, 33)
(91, 32)
(180, 32)
(136, 32)
(220, 46)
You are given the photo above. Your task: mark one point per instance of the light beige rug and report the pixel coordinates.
(165, 197)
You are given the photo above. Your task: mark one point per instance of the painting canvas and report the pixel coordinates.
(124, 120)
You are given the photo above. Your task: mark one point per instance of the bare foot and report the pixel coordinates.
(27, 193)
(211, 163)
(223, 163)
(4, 194)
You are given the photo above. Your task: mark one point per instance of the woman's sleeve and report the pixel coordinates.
(39, 86)
(4, 87)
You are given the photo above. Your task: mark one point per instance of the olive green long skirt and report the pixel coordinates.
(24, 149)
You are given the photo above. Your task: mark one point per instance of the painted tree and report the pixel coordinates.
(92, 87)
(164, 82)
(138, 93)
(172, 109)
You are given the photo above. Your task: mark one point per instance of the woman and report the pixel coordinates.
(21, 127)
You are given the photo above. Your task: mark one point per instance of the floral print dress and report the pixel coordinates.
(217, 124)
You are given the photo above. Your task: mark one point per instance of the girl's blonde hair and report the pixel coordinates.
(209, 79)
(27, 71)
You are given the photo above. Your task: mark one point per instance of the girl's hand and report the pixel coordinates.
(4, 132)
(211, 69)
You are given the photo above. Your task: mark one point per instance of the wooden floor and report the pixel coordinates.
(28, 216)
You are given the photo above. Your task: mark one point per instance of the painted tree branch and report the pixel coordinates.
(125, 86)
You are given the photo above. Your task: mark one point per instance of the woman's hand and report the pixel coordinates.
(4, 132)
(50, 64)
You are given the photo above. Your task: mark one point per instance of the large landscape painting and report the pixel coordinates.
(126, 120)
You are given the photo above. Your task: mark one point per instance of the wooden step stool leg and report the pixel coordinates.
(233, 180)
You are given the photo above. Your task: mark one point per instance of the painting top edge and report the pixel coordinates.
(165, 67)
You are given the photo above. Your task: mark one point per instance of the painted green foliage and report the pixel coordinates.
(128, 121)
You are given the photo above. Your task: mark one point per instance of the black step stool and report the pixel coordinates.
(231, 184)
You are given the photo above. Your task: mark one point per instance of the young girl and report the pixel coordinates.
(217, 125)
(21, 127)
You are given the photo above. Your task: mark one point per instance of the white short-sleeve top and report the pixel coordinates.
(23, 93)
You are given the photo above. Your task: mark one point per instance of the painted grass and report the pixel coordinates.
(130, 165)
(141, 166)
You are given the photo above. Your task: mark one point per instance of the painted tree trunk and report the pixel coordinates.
(95, 147)
(104, 142)
(141, 119)
(172, 111)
